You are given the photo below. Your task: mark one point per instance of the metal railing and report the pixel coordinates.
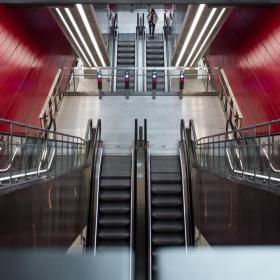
(94, 188)
(194, 79)
(228, 101)
(187, 186)
(251, 153)
(28, 153)
(54, 98)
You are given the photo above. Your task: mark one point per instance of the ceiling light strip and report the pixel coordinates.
(209, 34)
(90, 33)
(200, 35)
(190, 33)
(72, 35)
(80, 35)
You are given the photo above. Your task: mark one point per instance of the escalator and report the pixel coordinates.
(167, 207)
(155, 58)
(125, 59)
(114, 213)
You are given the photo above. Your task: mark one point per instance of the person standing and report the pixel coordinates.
(152, 20)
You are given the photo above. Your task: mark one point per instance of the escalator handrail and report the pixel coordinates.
(95, 146)
(186, 153)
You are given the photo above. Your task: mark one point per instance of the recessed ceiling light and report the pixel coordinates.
(209, 34)
(190, 33)
(73, 37)
(80, 35)
(90, 33)
(200, 35)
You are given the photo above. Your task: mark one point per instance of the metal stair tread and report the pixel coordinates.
(113, 233)
(115, 208)
(114, 220)
(168, 239)
(167, 226)
(166, 201)
(166, 189)
(167, 214)
(112, 195)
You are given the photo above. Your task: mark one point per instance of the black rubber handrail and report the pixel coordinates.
(95, 146)
(186, 144)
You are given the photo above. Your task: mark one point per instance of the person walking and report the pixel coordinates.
(152, 20)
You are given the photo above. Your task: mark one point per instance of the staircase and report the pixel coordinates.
(166, 204)
(126, 58)
(114, 202)
(155, 58)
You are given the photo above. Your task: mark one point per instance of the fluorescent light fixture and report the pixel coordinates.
(72, 35)
(190, 33)
(209, 34)
(90, 33)
(80, 35)
(200, 35)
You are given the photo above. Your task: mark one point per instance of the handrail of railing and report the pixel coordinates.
(149, 68)
(90, 242)
(46, 131)
(242, 130)
(190, 211)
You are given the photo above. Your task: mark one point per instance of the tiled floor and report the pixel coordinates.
(163, 115)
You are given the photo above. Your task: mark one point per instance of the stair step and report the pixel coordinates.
(168, 239)
(110, 195)
(126, 50)
(114, 208)
(167, 226)
(126, 44)
(166, 201)
(118, 184)
(166, 189)
(126, 61)
(155, 57)
(154, 45)
(155, 63)
(166, 178)
(113, 233)
(167, 214)
(155, 51)
(113, 221)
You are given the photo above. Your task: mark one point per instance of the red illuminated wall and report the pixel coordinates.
(248, 48)
(32, 48)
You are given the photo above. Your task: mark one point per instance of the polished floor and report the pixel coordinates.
(163, 115)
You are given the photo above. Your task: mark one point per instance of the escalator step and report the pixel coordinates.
(113, 221)
(126, 50)
(109, 195)
(113, 233)
(126, 61)
(166, 189)
(168, 239)
(166, 178)
(167, 214)
(115, 184)
(155, 63)
(104, 244)
(167, 201)
(126, 43)
(155, 57)
(114, 208)
(167, 226)
(116, 174)
(155, 51)
(154, 45)
(126, 55)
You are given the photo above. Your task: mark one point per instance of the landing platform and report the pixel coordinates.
(163, 115)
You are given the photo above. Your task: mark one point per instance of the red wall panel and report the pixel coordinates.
(32, 48)
(248, 48)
